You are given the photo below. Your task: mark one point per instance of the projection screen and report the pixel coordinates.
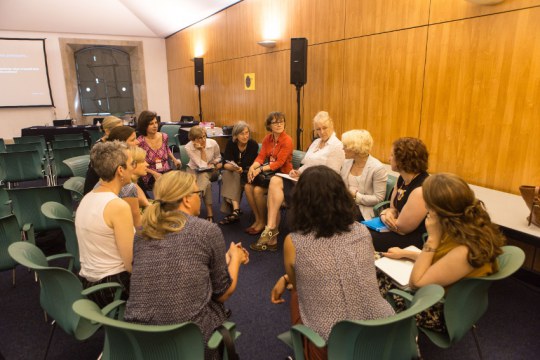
(24, 79)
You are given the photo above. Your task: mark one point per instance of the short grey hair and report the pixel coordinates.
(238, 128)
(106, 157)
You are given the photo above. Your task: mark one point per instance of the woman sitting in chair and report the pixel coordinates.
(181, 269)
(462, 241)
(240, 153)
(204, 162)
(328, 258)
(405, 216)
(104, 224)
(364, 176)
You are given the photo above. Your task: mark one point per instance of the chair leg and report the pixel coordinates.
(477, 342)
(50, 338)
(13, 275)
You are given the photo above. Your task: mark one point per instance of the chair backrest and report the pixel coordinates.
(31, 139)
(467, 300)
(390, 183)
(5, 205)
(9, 234)
(78, 165)
(171, 131)
(389, 338)
(135, 341)
(60, 288)
(27, 204)
(27, 147)
(21, 166)
(62, 144)
(2, 145)
(64, 217)
(60, 169)
(94, 135)
(184, 157)
(297, 157)
(63, 137)
(75, 184)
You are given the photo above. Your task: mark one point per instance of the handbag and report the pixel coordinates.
(228, 343)
(531, 195)
(263, 179)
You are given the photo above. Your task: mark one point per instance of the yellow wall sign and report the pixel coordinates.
(249, 81)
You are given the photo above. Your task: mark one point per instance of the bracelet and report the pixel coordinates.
(427, 248)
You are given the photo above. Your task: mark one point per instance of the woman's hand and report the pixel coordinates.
(237, 253)
(177, 163)
(433, 227)
(394, 253)
(389, 218)
(295, 174)
(219, 165)
(252, 173)
(278, 290)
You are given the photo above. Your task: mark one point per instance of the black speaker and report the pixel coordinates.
(199, 71)
(299, 61)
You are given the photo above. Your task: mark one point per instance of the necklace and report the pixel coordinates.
(401, 191)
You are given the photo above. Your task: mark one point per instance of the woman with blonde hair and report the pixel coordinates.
(132, 193)
(183, 260)
(364, 175)
(462, 241)
(109, 123)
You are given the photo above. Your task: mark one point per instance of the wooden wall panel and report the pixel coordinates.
(324, 87)
(209, 39)
(481, 107)
(365, 17)
(317, 20)
(383, 86)
(179, 50)
(444, 10)
(183, 93)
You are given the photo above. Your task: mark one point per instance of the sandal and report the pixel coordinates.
(210, 218)
(263, 243)
(232, 218)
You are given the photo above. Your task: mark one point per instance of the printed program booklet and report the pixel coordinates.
(398, 269)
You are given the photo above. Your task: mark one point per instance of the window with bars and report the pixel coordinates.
(104, 81)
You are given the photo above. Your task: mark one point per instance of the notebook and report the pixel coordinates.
(398, 269)
(376, 224)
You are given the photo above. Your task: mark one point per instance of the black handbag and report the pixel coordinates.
(263, 179)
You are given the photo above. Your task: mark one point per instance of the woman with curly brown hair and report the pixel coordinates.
(407, 211)
(462, 241)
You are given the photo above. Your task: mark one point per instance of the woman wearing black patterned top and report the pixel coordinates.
(407, 211)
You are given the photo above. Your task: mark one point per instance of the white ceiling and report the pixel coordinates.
(149, 18)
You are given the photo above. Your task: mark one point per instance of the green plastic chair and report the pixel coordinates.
(64, 217)
(27, 204)
(58, 167)
(390, 183)
(2, 145)
(62, 144)
(9, 234)
(28, 146)
(31, 139)
(59, 289)
(125, 340)
(390, 338)
(297, 157)
(21, 166)
(184, 157)
(5, 203)
(171, 131)
(94, 135)
(467, 300)
(75, 184)
(78, 165)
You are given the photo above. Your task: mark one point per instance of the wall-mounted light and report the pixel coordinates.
(485, 2)
(267, 43)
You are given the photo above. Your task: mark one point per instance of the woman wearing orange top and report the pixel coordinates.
(276, 156)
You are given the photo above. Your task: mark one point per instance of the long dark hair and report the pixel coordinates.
(321, 203)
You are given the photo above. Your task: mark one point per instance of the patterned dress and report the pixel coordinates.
(161, 154)
(335, 279)
(180, 278)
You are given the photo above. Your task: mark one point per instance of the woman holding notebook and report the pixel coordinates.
(462, 241)
(405, 216)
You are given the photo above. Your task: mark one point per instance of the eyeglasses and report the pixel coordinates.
(201, 137)
(276, 122)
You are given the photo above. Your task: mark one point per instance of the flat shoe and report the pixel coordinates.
(249, 229)
(260, 246)
(254, 231)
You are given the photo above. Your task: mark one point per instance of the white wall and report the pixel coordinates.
(155, 61)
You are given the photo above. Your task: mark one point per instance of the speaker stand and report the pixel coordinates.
(200, 104)
(299, 129)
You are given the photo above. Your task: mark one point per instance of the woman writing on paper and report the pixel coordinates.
(328, 258)
(462, 241)
(364, 176)
(405, 216)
